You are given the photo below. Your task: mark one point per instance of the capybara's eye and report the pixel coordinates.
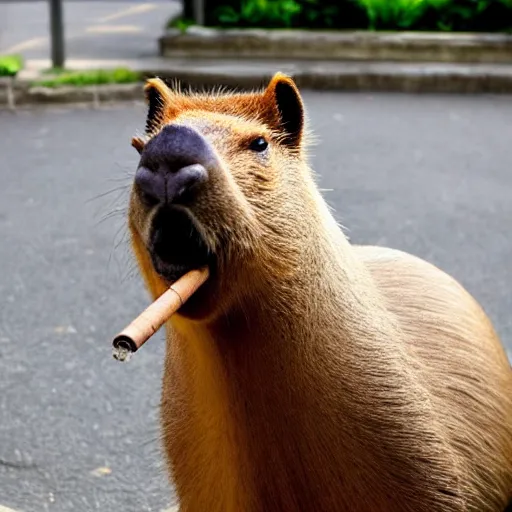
(259, 144)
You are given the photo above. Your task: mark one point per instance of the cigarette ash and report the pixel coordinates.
(122, 353)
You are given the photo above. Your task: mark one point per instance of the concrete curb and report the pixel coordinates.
(7, 86)
(243, 76)
(348, 76)
(17, 93)
(202, 42)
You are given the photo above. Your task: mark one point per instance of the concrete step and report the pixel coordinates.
(203, 42)
(342, 76)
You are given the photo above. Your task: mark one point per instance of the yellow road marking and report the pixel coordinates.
(30, 44)
(25, 45)
(6, 509)
(113, 29)
(136, 9)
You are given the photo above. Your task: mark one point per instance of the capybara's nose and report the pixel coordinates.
(173, 164)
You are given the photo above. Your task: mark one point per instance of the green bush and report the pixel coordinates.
(397, 14)
(448, 15)
(259, 12)
(470, 15)
(285, 13)
(91, 77)
(10, 65)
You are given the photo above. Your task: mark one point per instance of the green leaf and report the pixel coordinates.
(10, 65)
(226, 14)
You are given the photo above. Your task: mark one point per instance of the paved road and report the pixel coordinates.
(113, 29)
(78, 430)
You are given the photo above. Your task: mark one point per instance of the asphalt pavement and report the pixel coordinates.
(93, 29)
(78, 430)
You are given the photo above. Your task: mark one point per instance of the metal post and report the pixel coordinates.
(199, 12)
(57, 33)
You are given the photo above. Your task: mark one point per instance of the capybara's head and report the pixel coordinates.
(222, 181)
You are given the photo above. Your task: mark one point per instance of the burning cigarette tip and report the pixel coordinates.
(123, 347)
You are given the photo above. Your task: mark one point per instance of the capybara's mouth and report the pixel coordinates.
(176, 245)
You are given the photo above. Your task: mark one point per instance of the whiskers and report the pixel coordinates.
(113, 206)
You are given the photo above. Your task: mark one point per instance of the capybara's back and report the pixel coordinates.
(306, 374)
(462, 363)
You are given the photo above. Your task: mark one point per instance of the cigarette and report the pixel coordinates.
(149, 321)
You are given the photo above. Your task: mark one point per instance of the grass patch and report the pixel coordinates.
(10, 65)
(180, 23)
(90, 77)
(55, 71)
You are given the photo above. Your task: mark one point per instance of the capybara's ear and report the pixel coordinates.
(158, 98)
(283, 96)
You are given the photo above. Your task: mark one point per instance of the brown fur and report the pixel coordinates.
(313, 375)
